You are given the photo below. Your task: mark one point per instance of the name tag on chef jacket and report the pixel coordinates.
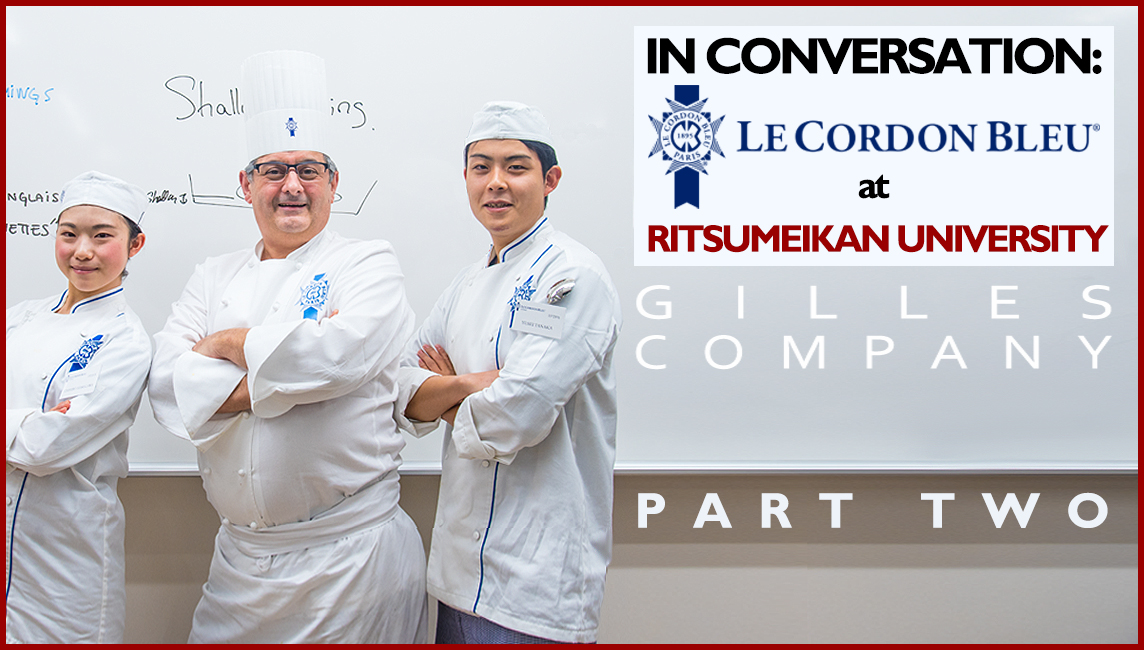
(538, 318)
(80, 382)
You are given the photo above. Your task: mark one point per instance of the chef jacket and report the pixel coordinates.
(523, 529)
(321, 388)
(312, 544)
(64, 543)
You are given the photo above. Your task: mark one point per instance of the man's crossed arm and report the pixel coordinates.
(439, 396)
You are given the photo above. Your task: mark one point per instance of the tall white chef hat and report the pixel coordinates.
(99, 189)
(502, 120)
(285, 103)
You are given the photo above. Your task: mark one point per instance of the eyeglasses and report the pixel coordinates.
(276, 171)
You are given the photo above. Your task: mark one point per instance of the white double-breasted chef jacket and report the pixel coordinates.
(65, 571)
(523, 529)
(314, 461)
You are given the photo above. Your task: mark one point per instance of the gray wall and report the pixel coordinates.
(885, 576)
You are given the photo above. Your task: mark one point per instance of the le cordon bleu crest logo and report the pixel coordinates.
(686, 137)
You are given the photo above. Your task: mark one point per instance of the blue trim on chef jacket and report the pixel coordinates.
(12, 538)
(43, 403)
(49, 386)
(496, 349)
(530, 234)
(541, 255)
(496, 471)
(492, 503)
(84, 303)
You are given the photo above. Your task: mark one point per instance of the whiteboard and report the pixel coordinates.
(150, 94)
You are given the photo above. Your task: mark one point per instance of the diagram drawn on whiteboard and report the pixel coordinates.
(236, 201)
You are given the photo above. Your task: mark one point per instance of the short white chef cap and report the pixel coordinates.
(285, 103)
(101, 190)
(503, 120)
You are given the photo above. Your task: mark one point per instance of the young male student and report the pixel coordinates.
(517, 357)
(279, 362)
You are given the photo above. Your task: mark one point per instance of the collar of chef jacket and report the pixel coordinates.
(301, 254)
(519, 245)
(100, 299)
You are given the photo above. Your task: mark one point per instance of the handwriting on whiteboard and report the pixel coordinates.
(25, 198)
(33, 229)
(166, 196)
(198, 101)
(235, 199)
(30, 94)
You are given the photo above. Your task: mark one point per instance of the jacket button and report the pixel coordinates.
(476, 535)
(225, 521)
(242, 472)
(484, 463)
(254, 525)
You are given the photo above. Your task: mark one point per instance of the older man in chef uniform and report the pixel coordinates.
(279, 363)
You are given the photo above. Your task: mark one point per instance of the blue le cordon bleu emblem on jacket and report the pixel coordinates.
(521, 293)
(686, 137)
(314, 296)
(85, 352)
(292, 127)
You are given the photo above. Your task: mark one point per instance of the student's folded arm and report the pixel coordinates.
(539, 376)
(411, 377)
(50, 441)
(439, 394)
